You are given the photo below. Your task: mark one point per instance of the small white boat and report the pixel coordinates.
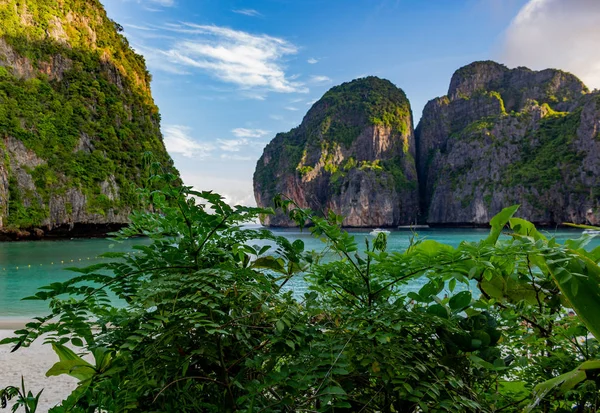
(591, 232)
(378, 231)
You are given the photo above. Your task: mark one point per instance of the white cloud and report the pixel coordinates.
(237, 157)
(312, 102)
(276, 117)
(164, 3)
(178, 141)
(232, 145)
(320, 79)
(136, 27)
(236, 191)
(248, 12)
(251, 61)
(158, 60)
(245, 198)
(249, 133)
(253, 95)
(293, 109)
(562, 34)
(312, 61)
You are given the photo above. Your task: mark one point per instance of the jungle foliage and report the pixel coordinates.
(208, 324)
(74, 93)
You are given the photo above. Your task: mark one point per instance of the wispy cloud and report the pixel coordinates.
(158, 60)
(237, 157)
(248, 12)
(245, 198)
(178, 141)
(136, 27)
(250, 61)
(232, 145)
(236, 191)
(562, 34)
(164, 3)
(312, 61)
(320, 79)
(293, 109)
(312, 102)
(249, 133)
(276, 117)
(248, 94)
(147, 3)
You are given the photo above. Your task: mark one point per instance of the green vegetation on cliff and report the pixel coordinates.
(338, 118)
(547, 154)
(356, 142)
(504, 136)
(79, 98)
(377, 101)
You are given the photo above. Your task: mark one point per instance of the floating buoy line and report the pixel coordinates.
(57, 263)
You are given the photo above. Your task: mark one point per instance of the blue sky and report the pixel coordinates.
(229, 74)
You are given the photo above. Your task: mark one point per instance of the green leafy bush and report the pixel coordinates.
(207, 324)
(91, 88)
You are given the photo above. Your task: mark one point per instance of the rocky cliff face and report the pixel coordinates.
(503, 137)
(500, 137)
(353, 154)
(76, 116)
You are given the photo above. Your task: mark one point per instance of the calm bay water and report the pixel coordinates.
(26, 266)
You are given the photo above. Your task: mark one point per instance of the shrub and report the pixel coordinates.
(206, 324)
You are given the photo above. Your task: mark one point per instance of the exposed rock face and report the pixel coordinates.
(76, 116)
(504, 137)
(500, 137)
(353, 154)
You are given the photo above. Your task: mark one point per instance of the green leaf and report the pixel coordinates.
(431, 248)
(525, 228)
(581, 226)
(495, 287)
(333, 390)
(585, 297)
(460, 301)
(298, 245)
(562, 383)
(280, 326)
(271, 263)
(452, 285)
(499, 222)
(438, 310)
(77, 342)
(431, 288)
(81, 370)
(70, 363)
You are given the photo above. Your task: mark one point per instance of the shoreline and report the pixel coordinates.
(104, 231)
(14, 323)
(61, 232)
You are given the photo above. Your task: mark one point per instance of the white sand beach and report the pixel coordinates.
(32, 363)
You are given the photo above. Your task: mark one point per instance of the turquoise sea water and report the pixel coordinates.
(26, 266)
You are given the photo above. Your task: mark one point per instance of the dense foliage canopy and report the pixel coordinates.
(207, 324)
(74, 93)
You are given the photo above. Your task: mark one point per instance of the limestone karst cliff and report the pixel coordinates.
(354, 153)
(499, 137)
(76, 116)
(510, 136)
